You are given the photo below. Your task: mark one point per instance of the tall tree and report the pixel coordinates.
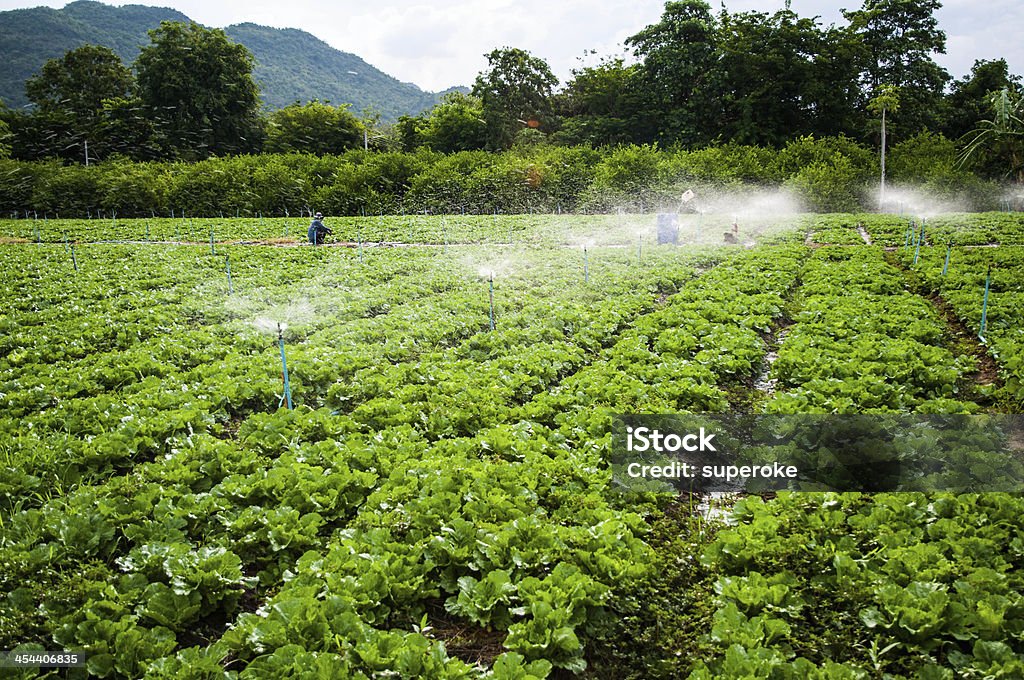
(70, 95)
(886, 102)
(782, 77)
(515, 91)
(680, 74)
(198, 87)
(78, 83)
(455, 124)
(601, 105)
(899, 38)
(314, 127)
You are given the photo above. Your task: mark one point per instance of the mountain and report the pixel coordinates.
(291, 65)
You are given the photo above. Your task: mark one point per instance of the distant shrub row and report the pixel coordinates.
(830, 174)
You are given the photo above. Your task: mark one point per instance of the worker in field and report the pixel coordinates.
(318, 230)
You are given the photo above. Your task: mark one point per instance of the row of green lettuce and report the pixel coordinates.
(419, 529)
(963, 288)
(858, 586)
(826, 174)
(436, 230)
(115, 362)
(357, 542)
(827, 585)
(742, 224)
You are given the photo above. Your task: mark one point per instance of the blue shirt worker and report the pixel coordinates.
(317, 230)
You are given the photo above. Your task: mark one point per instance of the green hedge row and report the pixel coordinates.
(830, 174)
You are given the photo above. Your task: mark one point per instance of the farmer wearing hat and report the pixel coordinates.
(317, 230)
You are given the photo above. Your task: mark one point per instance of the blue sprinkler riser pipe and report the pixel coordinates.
(586, 267)
(227, 267)
(917, 251)
(74, 258)
(945, 266)
(491, 289)
(284, 368)
(984, 306)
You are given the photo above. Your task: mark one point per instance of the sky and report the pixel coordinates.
(442, 43)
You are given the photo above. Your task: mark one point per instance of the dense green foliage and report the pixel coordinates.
(197, 87)
(313, 128)
(831, 174)
(515, 91)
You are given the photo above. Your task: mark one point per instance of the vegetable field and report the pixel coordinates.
(438, 502)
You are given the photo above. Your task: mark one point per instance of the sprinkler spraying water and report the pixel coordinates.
(227, 268)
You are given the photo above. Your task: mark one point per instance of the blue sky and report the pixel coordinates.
(442, 43)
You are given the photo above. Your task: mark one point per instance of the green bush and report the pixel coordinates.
(829, 174)
(72, 191)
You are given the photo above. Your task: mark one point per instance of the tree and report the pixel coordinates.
(197, 86)
(601, 105)
(70, 95)
(899, 38)
(514, 91)
(782, 77)
(680, 74)
(455, 124)
(1000, 137)
(77, 83)
(407, 131)
(887, 100)
(314, 128)
(967, 103)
